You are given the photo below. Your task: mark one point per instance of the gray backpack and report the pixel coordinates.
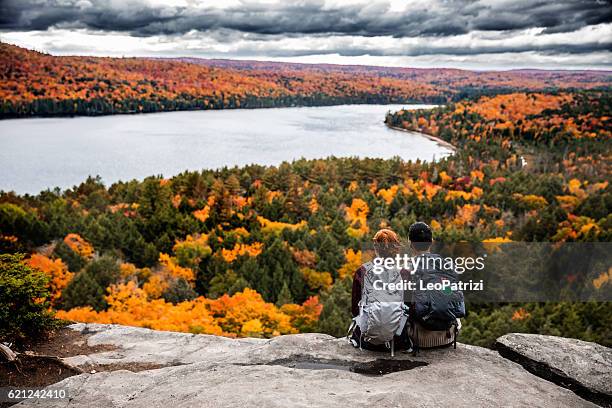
(382, 312)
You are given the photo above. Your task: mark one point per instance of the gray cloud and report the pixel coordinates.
(455, 32)
(433, 18)
(552, 49)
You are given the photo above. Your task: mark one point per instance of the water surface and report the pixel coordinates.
(41, 153)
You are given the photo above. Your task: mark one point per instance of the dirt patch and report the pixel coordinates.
(32, 372)
(39, 361)
(65, 342)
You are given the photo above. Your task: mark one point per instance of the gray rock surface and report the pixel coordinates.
(210, 371)
(139, 345)
(582, 366)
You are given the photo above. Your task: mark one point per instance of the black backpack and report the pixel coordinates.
(436, 309)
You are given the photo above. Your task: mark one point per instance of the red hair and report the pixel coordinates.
(386, 243)
(386, 236)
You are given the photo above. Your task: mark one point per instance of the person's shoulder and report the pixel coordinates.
(363, 267)
(361, 270)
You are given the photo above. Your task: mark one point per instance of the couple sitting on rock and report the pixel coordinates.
(391, 310)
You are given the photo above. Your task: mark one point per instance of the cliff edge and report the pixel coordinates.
(145, 368)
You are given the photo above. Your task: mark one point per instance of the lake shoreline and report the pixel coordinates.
(4, 117)
(433, 138)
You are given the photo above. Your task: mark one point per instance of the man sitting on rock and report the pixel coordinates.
(432, 324)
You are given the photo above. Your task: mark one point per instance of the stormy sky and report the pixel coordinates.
(496, 34)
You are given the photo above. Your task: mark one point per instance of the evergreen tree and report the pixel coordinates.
(105, 271)
(83, 290)
(336, 315)
(73, 260)
(331, 256)
(178, 291)
(284, 296)
(226, 283)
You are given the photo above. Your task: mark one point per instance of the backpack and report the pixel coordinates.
(382, 312)
(436, 309)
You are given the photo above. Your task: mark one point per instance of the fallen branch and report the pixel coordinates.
(55, 359)
(7, 353)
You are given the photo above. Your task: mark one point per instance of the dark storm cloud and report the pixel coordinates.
(305, 17)
(423, 28)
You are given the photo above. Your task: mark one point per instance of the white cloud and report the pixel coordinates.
(475, 50)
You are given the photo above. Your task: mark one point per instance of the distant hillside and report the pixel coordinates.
(36, 84)
(453, 79)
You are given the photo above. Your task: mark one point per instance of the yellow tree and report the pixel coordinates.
(56, 270)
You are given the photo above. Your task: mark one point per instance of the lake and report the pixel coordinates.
(41, 153)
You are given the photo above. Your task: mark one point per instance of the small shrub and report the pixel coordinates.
(179, 291)
(24, 300)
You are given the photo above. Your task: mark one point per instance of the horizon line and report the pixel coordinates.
(313, 64)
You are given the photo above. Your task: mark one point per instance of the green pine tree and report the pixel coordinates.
(83, 290)
(336, 315)
(284, 296)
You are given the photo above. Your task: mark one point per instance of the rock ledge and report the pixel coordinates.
(581, 366)
(303, 370)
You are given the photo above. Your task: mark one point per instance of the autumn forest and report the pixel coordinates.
(269, 250)
(35, 84)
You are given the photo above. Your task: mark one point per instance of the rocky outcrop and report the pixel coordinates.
(309, 370)
(581, 366)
